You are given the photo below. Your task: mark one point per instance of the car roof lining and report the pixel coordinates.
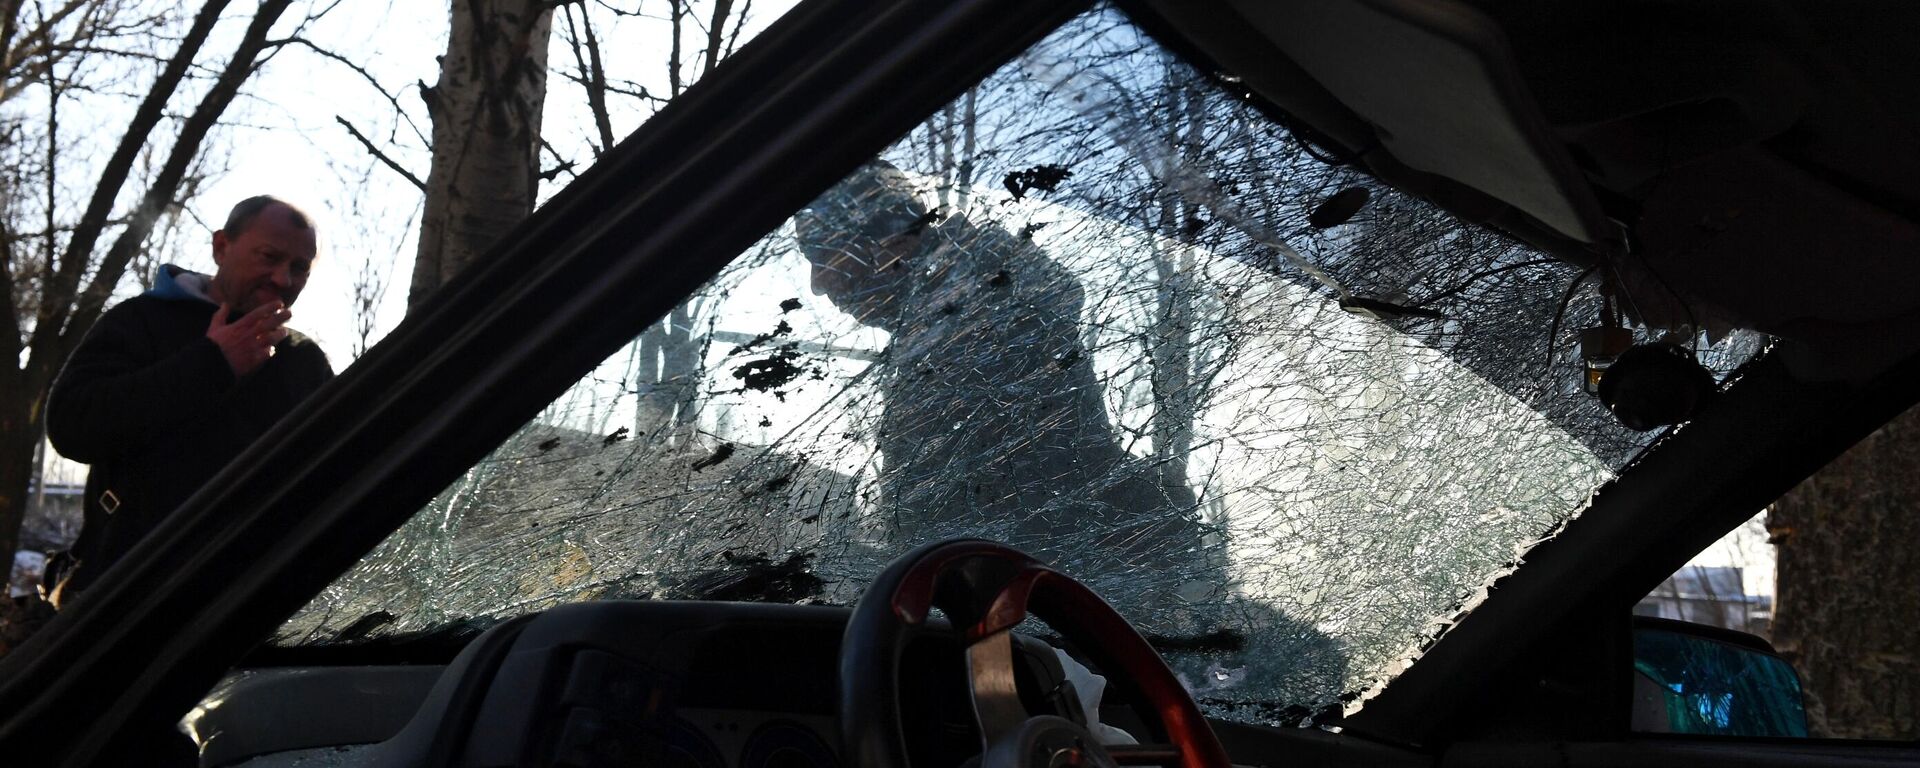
(1436, 83)
(1250, 64)
(1715, 141)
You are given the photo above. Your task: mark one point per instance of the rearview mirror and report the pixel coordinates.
(1702, 680)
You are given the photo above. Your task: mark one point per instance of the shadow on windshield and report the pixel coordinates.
(993, 424)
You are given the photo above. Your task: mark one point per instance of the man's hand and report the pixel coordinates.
(248, 341)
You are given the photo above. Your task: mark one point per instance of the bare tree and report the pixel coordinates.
(485, 110)
(666, 360)
(369, 286)
(177, 232)
(1172, 340)
(370, 271)
(58, 209)
(487, 142)
(1846, 607)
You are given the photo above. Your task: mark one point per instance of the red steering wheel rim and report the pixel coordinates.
(903, 596)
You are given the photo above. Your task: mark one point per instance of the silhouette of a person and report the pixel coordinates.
(993, 420)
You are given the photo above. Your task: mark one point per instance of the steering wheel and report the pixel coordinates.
(986, 589)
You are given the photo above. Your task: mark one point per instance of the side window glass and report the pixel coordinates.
(1802, 620)
(1690, 679)
(1702, 663)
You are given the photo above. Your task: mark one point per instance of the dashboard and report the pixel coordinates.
(681, 684)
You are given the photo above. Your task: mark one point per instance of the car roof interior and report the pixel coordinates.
(1758, 157)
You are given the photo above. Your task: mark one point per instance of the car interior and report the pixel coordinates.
(1522, 304)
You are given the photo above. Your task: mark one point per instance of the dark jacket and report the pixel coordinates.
(150, 403)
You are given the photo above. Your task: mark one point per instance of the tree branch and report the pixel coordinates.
(716, 29)
(740, 22)
(593, 78)
(59, 292)
(364, 75)
(678, 9)
(40, 36)
(103, 50)
(10, 340)
(15, 237)
(30, 58)
(378, 155)
(185, 148)
(563, 165)
(637, 91)
(9, 24)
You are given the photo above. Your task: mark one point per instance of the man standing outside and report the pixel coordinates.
(172, 384)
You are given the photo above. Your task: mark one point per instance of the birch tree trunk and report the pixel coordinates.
(486, 135)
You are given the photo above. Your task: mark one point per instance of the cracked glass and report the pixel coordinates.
(1086, 309)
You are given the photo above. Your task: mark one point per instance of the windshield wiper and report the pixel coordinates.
(755, 578)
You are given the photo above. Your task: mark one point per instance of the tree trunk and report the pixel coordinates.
(1847, 605)
(19, 433)
(669, 376)
(486, 135)
(1170, 345)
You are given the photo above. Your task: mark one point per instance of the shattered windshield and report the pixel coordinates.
(1086, 309)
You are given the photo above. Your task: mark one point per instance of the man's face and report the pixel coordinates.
(268, 262)
(861, 271)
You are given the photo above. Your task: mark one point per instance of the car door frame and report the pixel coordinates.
(615, 251)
